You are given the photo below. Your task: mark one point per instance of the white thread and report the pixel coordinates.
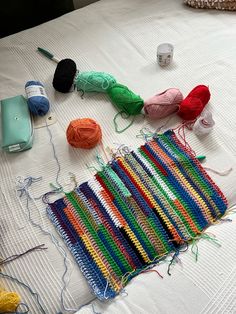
(220, 173)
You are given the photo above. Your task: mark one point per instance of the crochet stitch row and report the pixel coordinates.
(135, 211)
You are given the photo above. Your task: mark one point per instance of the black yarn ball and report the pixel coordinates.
(64, 75)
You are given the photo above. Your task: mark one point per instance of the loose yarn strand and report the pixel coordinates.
(24, 184)
(16, 256)
(155, 261)
(171, 262)
(220, 173)
(175, 256)
(35, 294)
(22, 304)
(104, 294)
(194, 250)
(146, 134)
(82, 93)
(54, 155)
(152, 270)
(92, 168)
(63, 252)
(10, 209)
(25, 191)
(17, 310)
(181, 128)
(104, 151)
(116, 124)
(164, 125)
(229, 211)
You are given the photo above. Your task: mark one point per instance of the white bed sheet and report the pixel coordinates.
(120, 37)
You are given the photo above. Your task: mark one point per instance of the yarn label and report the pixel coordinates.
(35, 90)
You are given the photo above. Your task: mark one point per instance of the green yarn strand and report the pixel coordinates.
(116, 124)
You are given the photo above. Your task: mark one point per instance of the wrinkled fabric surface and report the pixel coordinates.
(121, 38)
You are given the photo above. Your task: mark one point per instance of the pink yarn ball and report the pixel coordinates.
(163, 104)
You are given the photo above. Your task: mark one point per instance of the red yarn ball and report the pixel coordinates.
(202, 92)
(192, 106)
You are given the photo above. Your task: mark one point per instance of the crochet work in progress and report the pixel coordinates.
(212, 4)
(134, 212)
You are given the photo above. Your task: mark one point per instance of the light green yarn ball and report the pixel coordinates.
(94, 81)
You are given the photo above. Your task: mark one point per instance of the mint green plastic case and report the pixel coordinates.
(16, 122)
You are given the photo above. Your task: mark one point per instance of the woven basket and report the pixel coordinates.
(212, 4)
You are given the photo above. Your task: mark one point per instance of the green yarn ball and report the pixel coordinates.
(94, 81)
(125, 100)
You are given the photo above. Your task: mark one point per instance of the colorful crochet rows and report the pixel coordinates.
(135, 211)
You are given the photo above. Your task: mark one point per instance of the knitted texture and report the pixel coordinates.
(64, 75)
(94, 81)
(125, 100)
(212, 4)
(135, 211)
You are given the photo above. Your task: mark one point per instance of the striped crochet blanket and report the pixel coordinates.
(134, 212)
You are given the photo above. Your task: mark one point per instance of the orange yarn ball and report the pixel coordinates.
(83, 133)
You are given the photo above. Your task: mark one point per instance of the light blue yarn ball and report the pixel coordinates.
(36, 97)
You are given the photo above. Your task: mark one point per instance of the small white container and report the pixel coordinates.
(165, 53)
(204, 124)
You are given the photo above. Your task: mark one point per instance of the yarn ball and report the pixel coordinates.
(8, 301)
(192, 106)
(83, 133)
(163, 104)
(64, 75)
(94, 81)
(125, 100)
(37, 98)
(216, 4)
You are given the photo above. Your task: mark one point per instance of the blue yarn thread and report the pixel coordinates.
(55, 156)
(35, 294)
(21, 312)
(37, 98)
(17, 309)
(23, 188)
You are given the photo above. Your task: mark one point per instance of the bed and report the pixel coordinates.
(121, 37)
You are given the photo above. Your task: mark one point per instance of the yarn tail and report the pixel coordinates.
(116, 124)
